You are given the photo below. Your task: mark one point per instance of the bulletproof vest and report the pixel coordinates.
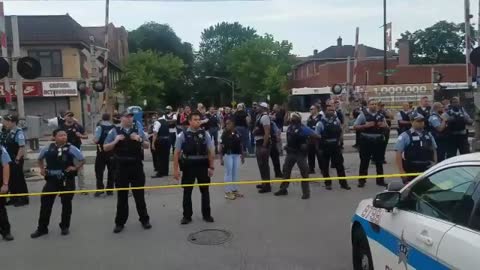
(436, 134)
(128, 149)
(104, 130)
(164, 128)
(195, 144)
(377, 118)
(295, 140)
(332, 130)
(260, 131)
(71, 136)
(457, 121)
(384, 113)
(420, 148)
(8, 141)
(312, 121)
(404, 127)
(232, 142)
(58, 158)
(169, 117)
(426, 115)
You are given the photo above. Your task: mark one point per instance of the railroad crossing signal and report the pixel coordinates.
(28, 67)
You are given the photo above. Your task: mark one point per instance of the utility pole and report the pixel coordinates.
(18, 79)
(385, 76)
(476, 95)
(105, 58)
(3, 38)
(467, 43)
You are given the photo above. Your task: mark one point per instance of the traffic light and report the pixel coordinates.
(337, 89)
(28, 67)
(97, 86)
(475, 57)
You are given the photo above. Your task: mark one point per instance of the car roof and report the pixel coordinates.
(474, 157)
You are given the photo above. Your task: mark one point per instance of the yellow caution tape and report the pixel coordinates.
(245, 182)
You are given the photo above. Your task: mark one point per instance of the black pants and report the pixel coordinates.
(54, 184)
(263, 154)
(17, 184)
(371, 150)
(190, 174)
(313, 152)
(163, 155)
(4, 224)
(154, 155)
(130, 174)
(414, 168)
(442, 144)
(457, 142)
(275, 156)
(334, 155)
(103, 160)
(300, 159)
(385, 145)
(173, 139)
(214, 134)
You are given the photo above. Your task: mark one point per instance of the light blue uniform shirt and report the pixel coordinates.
(404, 140)
(113, 133)
(98, 130)
(5, 157)
(20, 137)
(181, 139)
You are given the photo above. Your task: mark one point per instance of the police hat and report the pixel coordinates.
(11, 118)
(169, 108)
(296, 114)
(415, 116)
(126, 113)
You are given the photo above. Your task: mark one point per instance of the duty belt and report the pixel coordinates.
(195, 157)
(331, 140)
(371, 136)
(462, 132)
(163, 137)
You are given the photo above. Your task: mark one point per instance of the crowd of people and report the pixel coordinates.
(427, 135)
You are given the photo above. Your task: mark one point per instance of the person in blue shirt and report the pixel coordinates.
(13, 139)
(438, 127)
(103, 159)
(415, 148)
(127, 142)
(297, 144)
(4, 181)
(457, 132)
(59, 172)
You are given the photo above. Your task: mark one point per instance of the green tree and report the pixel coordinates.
(216, 42)
(260, 67)
(149, 76)
(443, 42)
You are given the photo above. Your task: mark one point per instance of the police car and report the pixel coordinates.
(431, 223)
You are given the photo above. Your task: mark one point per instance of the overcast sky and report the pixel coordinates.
(308, 24)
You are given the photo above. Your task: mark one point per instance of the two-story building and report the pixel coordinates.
(57, 42)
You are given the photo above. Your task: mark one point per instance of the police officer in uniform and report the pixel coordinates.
(313, 150)
(13, 139)
(161, 145)
(171, 118)
(297, 138)
(457, 121)
(4, 181)
(75, 134)
(103, 158)
(262, 133)
(403, 118)
(372, 126)
(59, 174)
(153, 150)
(330, 130)
(127, 142)
(274, 150)
(196, 150)
(425, 110)
(213, 126)
(438, 125)
(355, 113)
(415, 148)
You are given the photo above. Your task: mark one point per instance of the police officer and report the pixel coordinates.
(438, 125)
(151, 125)
(372, 126)
(262, 135)
(13, 139)
(213, 125)
(355, 113)
(313, 150)
(171, 118)
(388, 118)
(415, 148)
(196, 150)
(59, 174)
(126, 141)
(330, 130)
(4, 181)
(274, 150)
(103, 158)
(297, 136)
(161, 145)
(403, 118)
(425, 110)
(457, 121)
(75, 134)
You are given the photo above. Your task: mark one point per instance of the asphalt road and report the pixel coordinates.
(267, 232)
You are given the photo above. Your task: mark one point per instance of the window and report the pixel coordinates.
(50, 60)
(446, 195)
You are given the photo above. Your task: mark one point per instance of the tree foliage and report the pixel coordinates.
(443, 42)
(150, 76)
(260, 67)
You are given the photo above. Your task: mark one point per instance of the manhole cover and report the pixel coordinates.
(210, 237)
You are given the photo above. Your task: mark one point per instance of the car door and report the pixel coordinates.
(413, 231)
(460, 247)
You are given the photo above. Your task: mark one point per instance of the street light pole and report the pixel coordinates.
(385, 76)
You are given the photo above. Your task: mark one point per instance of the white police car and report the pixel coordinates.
(431, 223)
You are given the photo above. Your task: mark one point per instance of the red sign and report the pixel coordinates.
(30, 89)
